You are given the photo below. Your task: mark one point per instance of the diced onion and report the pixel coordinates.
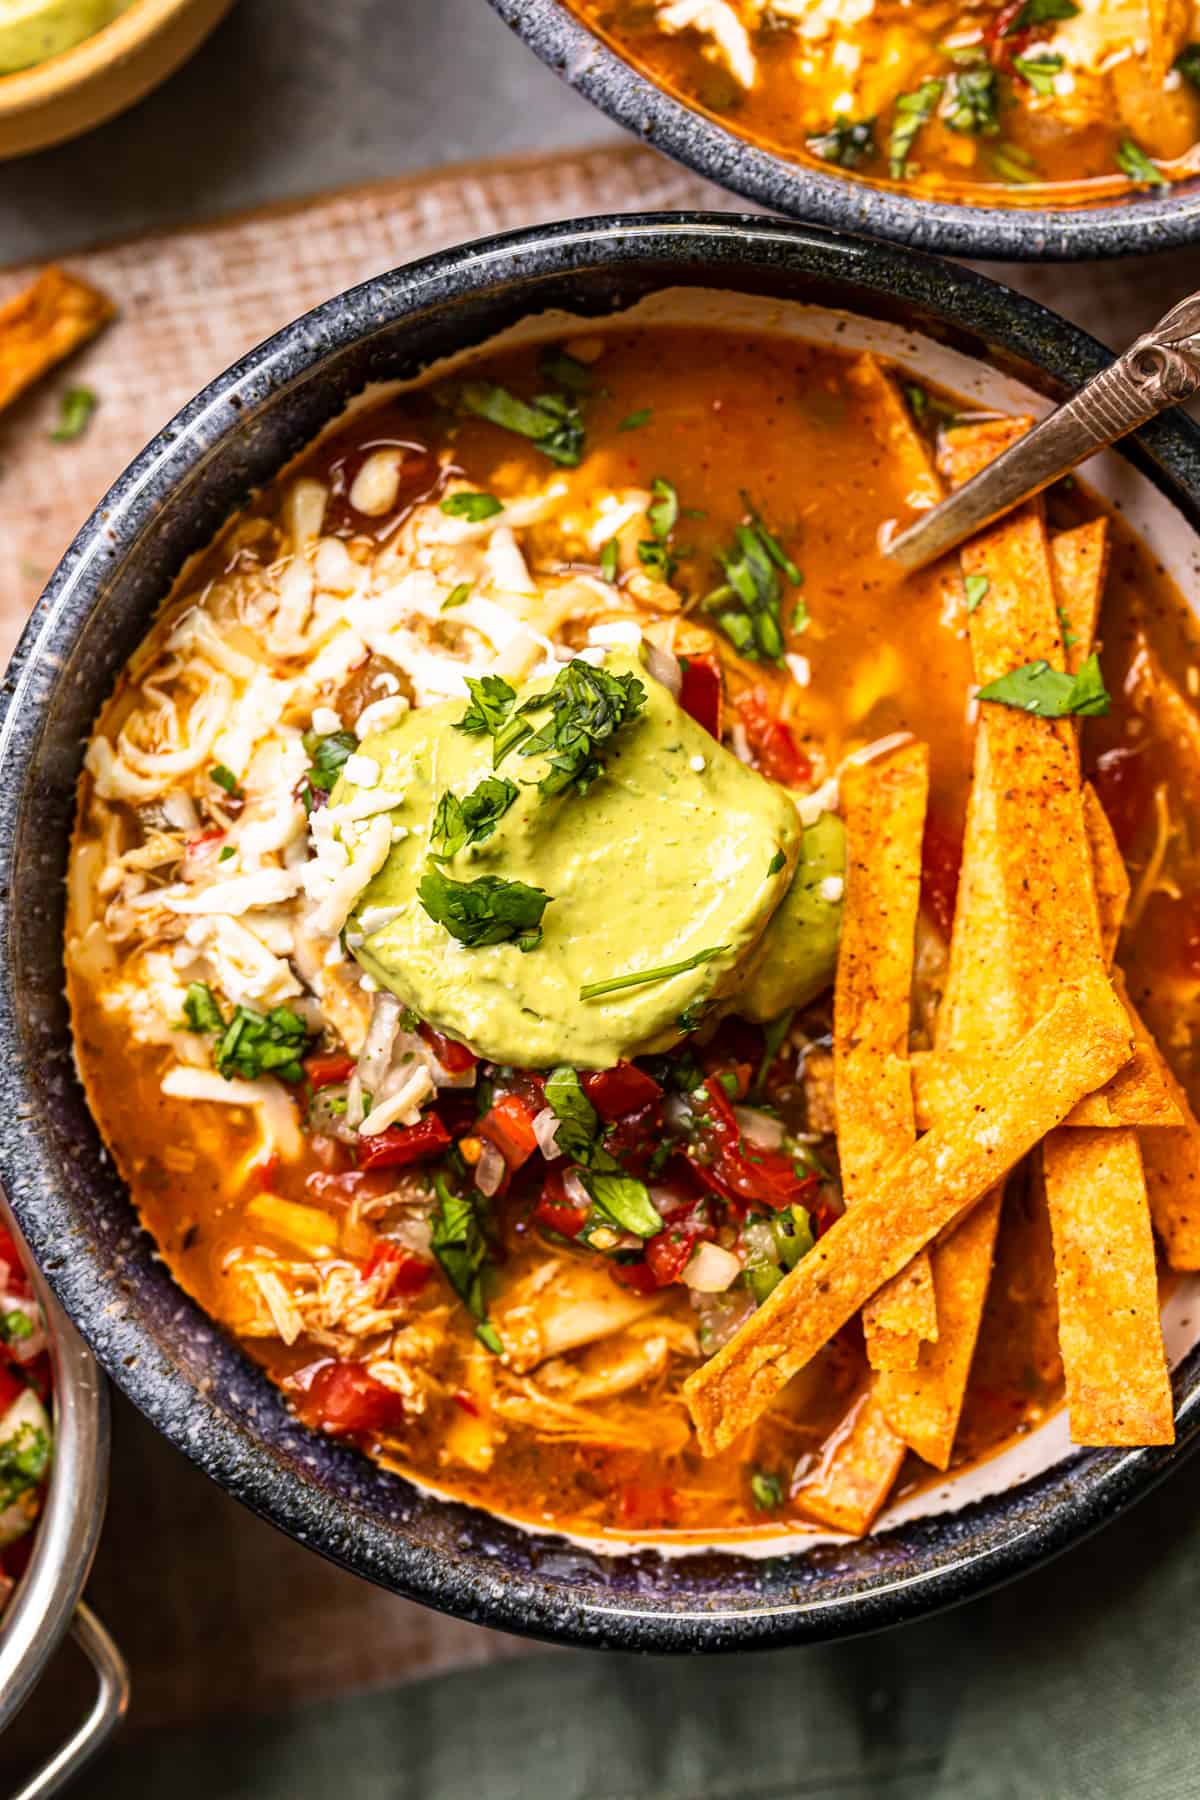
(665, 668)
(489, 1170)
(759, 1127)
(545, 1130)
(376, 1055)
(712, 1270)
(573, 1187)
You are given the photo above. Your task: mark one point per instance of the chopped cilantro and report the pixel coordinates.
(461, 1249)
(225, 778)
(250, 1043)
(487, 910)
(615, 983)
(329, 756)
(473, 819)
(1133, 162)
(1039, 71)
(226, 852)
(971, 101)
(975, 587)
(662, 514)
(693, 1016)
(492, 711)
(15, 1327)
(551, 421)
(776, 863)
(635, 420)
(847, 142)
(625, 1202)
(609, 554)
(473, 507)
(578, 1130)
(912, 111)
(587, 708)
(558, 368)
(1037, 688)
(457, 596)
(767, 1491)
(75, 409)
(1013, 164)
(200, 1009)
(800, 615)
(748, 605)
(1064, 625)
(24, 1460)
(1040, 12)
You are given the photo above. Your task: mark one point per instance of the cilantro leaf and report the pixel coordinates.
(551, 421)
(1134, 163)
(473, 507)
(461, 1249)
(767, 1491)
(975, 587)
(847, 142)
(1040, 12)
(1039, 71)
(487, 910)
(16, 1327)
(225, 778)
(971, 101)
(912, 111)
(200, 1009)
(473, 819)
(24, 1460)
(1037, 688)
(255, 1044)
(578, 1129)
(635, 420)
(492, 711)
(748, 605)
(329, 755)
(625, 1202)
(75, 409)
(662, 515)
(457, 596)
(587, 708)
(594, 989)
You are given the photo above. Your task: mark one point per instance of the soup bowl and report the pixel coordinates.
(1133, 225)
(193, 1382)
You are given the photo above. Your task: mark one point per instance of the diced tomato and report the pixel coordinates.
(13, 1279)
(941, 865)
(730, 1075)
(454, 1057)
(1001, 42)
(347, 1400)
(328, 1067)
(644, 1504)
(1124, 782)
(401, 1145)
(701, 693)
(635, 1138)
(555, 1211)
(668, 1254)
(11, 1388)
(745, 1175)
(406, 1273)
(636, 1275)
(625, 1089)
(775, 749)
(509, 1125)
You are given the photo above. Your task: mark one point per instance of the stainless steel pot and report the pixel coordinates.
(46, 1603)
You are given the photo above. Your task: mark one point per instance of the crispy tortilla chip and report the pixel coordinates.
(1171, 1159)
(1109, 874)
(45, 324)
(857, 1471)
(1080, 561)
(883, 803)
(1139, 1094)
(889, 420)
(1118, 1385)
(1031, 1088)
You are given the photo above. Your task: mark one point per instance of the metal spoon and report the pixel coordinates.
(1159, 369)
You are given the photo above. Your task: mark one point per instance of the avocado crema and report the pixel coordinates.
(676, 853)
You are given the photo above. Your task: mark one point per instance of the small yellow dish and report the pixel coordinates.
(103, 74)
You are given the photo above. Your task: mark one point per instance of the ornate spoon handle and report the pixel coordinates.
(1157, 371)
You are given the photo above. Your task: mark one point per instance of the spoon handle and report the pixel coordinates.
(1159, 369)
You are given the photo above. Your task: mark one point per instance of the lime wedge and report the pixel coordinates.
(33, 30)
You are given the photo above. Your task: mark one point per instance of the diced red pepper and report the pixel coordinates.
(625, 1089)
(555, 1211)
(941, 865)
(454, 1057)
(406, 1273)
(328, 1068)
(11, 1388)
(701, 692)
(775, 749)
(345, 1399)
(401, 1145)
(1124, 783)
(509, 1125)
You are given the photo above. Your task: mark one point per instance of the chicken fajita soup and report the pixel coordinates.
(992, 103)
(607, 988)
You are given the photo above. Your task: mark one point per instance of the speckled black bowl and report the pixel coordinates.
(1142, 223)
(191, 1381)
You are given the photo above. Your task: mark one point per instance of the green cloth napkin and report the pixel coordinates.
(1079, 1682)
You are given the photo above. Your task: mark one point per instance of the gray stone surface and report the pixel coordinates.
(289, 97)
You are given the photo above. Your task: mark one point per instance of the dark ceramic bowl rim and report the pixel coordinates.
(247, 1442)
(1137, 225)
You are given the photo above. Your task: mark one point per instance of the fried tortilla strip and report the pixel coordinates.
(858, 1470)
(1170, 717)
(890, 423)
(45, 324)
(1109, 874)
(1031, 1088)
(1080, 561)
(1108, 1321)
(883, 804)
(1139, 1094)
(1171, 1159)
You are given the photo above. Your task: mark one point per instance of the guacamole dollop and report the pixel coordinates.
(676, 853)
